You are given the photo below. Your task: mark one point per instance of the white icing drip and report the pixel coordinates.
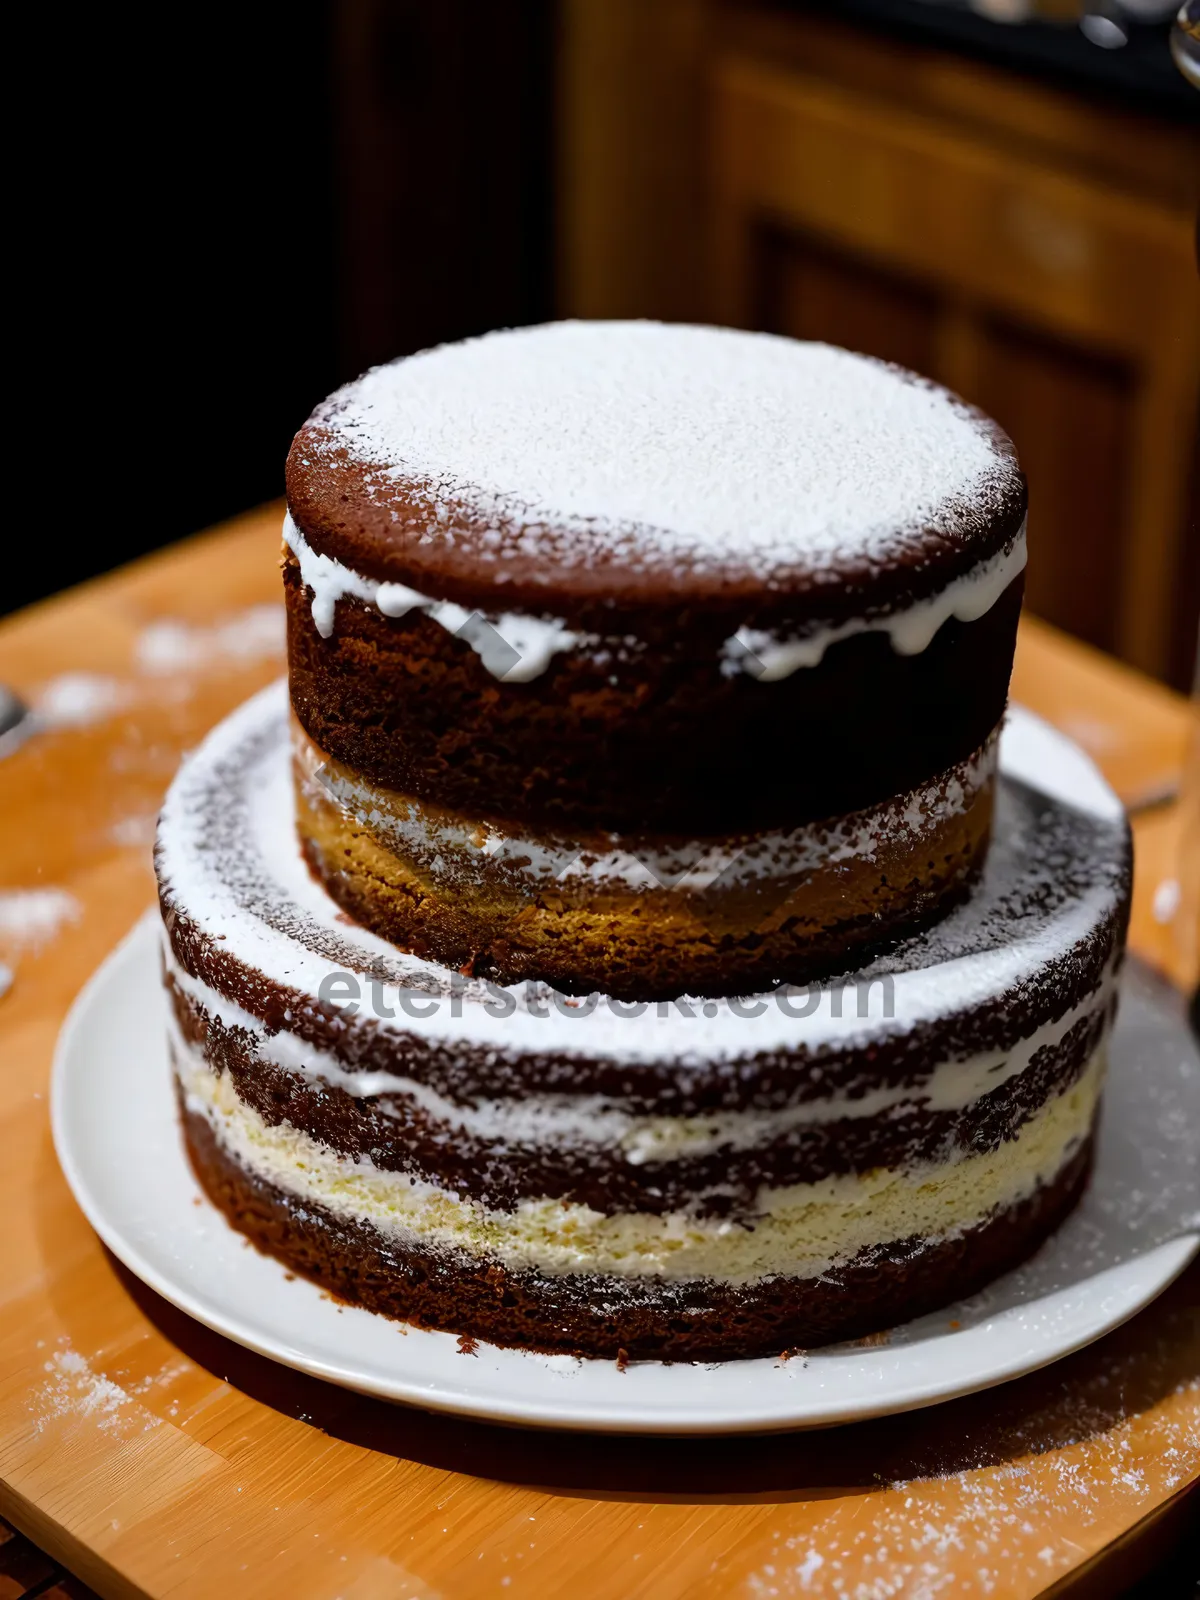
(769, 658)
(514, 648)
(248, 755)
(565, 1121)
(427, 832)
(535, 641)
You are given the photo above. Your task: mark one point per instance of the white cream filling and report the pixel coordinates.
(768, 657)
(535, 641)
(790, 854)
(568, 1121)
(798, 1229)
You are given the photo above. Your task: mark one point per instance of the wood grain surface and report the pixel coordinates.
(152, 1457)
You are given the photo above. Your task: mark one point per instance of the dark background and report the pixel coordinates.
(253, 206)
(237, 208)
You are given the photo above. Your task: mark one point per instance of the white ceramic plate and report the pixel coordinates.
(118, 1140)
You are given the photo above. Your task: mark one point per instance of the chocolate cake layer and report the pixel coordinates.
(713, 1168)
(592, 1314)
(642, 916)
(438, 1130)
(650, 578)
(1041, 934)
(654, 739)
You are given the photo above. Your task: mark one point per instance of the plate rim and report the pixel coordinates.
(817, 1411)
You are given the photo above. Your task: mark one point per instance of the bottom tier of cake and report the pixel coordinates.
(368, 1242)
(694, 1179)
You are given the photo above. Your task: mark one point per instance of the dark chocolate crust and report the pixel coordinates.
(598, 1315)
(398, 1135)
(647, 737)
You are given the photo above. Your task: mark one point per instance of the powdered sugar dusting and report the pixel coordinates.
(706, 445)
(1009, 1528)
(169, 655)
(79, 699)
(169, 646)
(30, 918)
(73, 1391)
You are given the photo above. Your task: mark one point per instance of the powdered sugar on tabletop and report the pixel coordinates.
(1008, 1529)
(31, 918)
(71, 1390)
(170, 646)
(79, 699)
(167, 648)
(172, 659)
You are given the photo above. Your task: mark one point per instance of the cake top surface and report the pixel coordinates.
(1041, 921)
(616, 455)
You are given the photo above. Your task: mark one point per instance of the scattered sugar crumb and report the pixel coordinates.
(79, 699)
(30, 918)
(136, 831)
(1166, 900)
(1027, 1518)
(567, 1366)
(71, 1390)
(163, 1378)
(171, 646)
(165, 648)
(809, 1567)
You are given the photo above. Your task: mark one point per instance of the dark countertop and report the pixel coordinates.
(1141, 76)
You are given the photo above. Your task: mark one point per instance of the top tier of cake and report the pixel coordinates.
(655, 578)
(643, 464)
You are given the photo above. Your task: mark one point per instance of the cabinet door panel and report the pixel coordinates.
(1069, 412)
(1071, 415)
(810, 291)
(1064, 306)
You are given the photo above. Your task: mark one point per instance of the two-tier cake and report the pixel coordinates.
(604, 952)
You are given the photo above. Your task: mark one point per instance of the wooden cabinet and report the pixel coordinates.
(1032, 250)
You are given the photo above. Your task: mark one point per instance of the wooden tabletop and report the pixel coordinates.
(151, 1456)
